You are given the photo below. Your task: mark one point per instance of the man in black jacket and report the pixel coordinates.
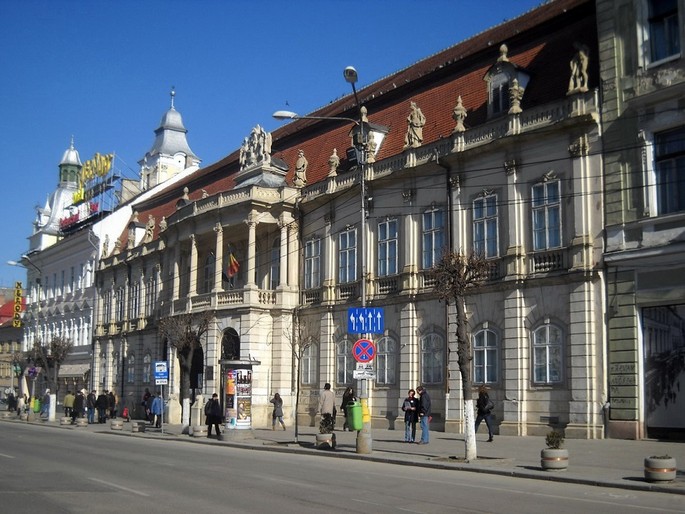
(424, 414)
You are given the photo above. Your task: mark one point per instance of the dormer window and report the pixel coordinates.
(500, 78)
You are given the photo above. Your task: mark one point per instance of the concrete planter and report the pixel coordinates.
(199, 430)
(138, 426)
(116, 424)
(65, 421)
(554, 459)
(660, 469)
(325, 441)
(81, 422)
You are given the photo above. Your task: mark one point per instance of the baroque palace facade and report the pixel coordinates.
(490, 146)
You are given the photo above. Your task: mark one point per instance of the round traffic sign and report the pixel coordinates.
(364, 350)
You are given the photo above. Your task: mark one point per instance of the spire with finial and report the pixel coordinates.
(173, 94)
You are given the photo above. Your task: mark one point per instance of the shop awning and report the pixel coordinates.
(73, 370)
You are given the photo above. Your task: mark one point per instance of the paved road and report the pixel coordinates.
(67, 471)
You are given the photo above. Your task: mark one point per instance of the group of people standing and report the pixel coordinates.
(153, 405)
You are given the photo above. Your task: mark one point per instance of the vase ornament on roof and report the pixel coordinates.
(256, 149)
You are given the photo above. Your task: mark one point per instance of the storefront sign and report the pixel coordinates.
(18, 305)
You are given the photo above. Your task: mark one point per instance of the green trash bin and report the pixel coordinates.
(354, 416)
(36, 405)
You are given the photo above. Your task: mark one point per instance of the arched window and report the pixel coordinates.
(485, 360)
(344, 363)
(147, 368)
(131, 369)
(275, 264)
(547, 355)
(432, 359)
(309, 364)
(208, 273)
(386, 361)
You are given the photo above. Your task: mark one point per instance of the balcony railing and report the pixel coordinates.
(544, 262)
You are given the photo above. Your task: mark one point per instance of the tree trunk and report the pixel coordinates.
(464, 359)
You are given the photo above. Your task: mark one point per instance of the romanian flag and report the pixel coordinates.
(233, 266)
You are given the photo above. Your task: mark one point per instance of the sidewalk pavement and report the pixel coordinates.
(606, 463)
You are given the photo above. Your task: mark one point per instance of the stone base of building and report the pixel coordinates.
(572, 431)
(624, 430)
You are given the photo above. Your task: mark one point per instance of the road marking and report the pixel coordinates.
(6, 456)
(383, 505)
(127, 489)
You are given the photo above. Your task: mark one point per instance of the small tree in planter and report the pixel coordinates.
(660, 468)
(326, 438)
(554, 457)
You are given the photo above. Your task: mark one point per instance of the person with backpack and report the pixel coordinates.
(213, 415)
(484, 406)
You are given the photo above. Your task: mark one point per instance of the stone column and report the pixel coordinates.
(251, 252)
(516, 367)
(283, 277)
(192, 291)
(176, 272)
(294, 254)
(219, 253)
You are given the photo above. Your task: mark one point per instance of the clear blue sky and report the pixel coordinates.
(102, 71)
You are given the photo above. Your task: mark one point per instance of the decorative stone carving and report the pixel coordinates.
(301, 164)
(371, 146)
(162, 224)
(579, 147)
(515, 96)
(256, 149)
(333, 163)
(503, 51)
(579, 77)
(149, 229)
(205, 194)
(105, 246)
(416, 121)
(510, 166)
(459, 115)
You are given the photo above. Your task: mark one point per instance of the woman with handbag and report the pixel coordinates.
(484, 406)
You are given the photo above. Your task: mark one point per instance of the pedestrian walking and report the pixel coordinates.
(157, 410)
(484, 406)
(147, 403)
(112, 405)
(102, 404)
(213, 415)
(91, 405)
(327, 409)
(347, 398)
(425, 416)
(410, 406)
(277, 414)
(79, 404)
(45, 405)
(68, 404)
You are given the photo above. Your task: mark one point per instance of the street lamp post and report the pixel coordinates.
(364, 439)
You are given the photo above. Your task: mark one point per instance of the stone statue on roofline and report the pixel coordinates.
(416, 121)
(149, 229)
(256, 148)
(333, 163)
(301, 164)
(578, 83)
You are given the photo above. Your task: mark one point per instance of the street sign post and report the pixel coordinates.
(364, 351)
(161, 372)
(365, 320)
(364, 371)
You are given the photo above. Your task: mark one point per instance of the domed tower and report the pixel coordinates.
(170, 153)
(70, 166)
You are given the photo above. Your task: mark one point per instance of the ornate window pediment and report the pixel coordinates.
(500, 78)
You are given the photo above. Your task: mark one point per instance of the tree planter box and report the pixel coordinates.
(81, 422)
(659, 469)
(199, 430)
(138, 426)
(116, 424)
(554, 459)
(325, 441)
(65, 421)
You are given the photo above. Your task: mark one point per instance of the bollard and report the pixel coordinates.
(81, 422)
(65, 420)
(138, 426)
(199, 430)
(116, 424)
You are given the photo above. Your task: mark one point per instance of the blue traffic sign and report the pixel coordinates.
(364, 350)
(161, 370)
(365, 320)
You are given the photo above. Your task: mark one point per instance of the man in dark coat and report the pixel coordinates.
(77, 410)
(102, 404)
(213, 413)
(424, 414)
(91, 405)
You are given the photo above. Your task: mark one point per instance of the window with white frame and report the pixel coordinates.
(485, 226)
(131, 369)
(275, 263)
(151, 294)
(499, 94)
(309, 364)
(134, 300)
(387, 247)
(485, 357)
(103, 370)
(432, 359)
(107, 307)
(147, 368)
(546, 207)
(347, 256)
(208, 273)
(433, 237)
(120, 307)
(669, 160)
(664, 32)
(547, 354)
(386, 361)
(344, 363)
(115, 367)
(312, 264)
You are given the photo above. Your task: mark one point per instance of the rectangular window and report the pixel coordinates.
(547, 355)
(151, 295)
(387, 248)
(312, 264)
(669, 154)
(107, 308)
(120, 307)
(664, 35)
(72, 281)
(546, 204)
(134, 301)
(485, 226)
(347, 256)
(433, 237)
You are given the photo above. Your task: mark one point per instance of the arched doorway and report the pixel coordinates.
(230, 345)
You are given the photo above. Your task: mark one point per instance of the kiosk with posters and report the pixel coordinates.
(237, 398)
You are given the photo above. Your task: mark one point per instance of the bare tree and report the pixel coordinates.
(50, 357)
(184, 333)
(455, 274)
(300, 340)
